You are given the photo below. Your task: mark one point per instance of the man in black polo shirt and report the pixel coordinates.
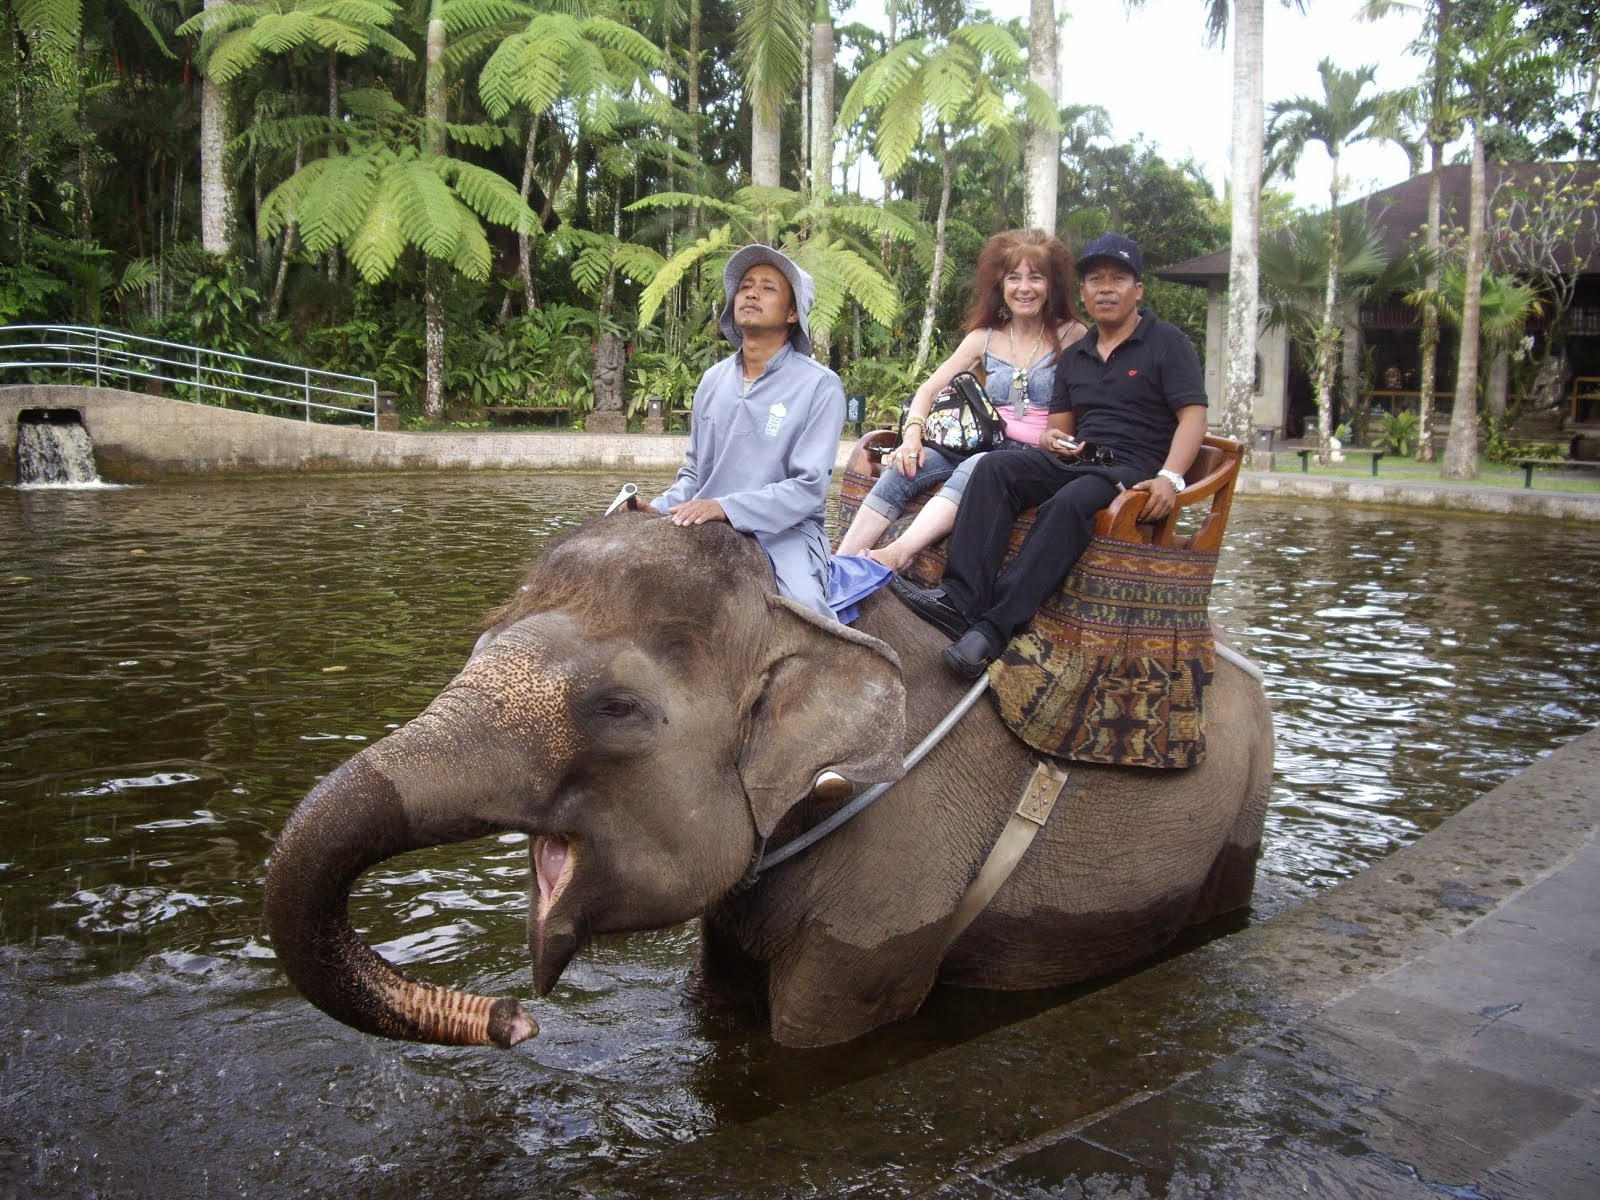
(1128, 411)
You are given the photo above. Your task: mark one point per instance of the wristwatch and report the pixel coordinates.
(1173, 478)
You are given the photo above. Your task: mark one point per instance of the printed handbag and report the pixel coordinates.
(963, 420)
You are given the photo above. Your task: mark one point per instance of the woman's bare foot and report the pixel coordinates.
(891, 556)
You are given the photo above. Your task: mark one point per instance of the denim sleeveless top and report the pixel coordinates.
(1041, 379)
(1041, 382)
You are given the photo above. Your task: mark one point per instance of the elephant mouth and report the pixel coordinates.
(552, 938)
(552, 866)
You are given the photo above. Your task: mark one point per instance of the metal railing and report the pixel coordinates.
(109, 358)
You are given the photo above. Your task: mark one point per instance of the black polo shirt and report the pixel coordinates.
(1130, 404)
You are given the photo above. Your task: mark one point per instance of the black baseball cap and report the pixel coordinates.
(1115, 247)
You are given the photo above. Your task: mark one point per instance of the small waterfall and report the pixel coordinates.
(54, 450)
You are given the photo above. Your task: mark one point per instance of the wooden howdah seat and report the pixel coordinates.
(1115, 665)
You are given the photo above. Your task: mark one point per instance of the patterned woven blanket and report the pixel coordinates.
(1114, 668)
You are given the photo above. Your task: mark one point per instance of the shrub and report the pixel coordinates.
(1397, 432)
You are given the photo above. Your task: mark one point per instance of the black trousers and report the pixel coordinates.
(1002, 485)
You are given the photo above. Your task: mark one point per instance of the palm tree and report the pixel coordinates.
(1042, 160)
(1439, 44)
(235, 38)
(1492, 66)
(392, 188)
(956, 85)
(1505, 306)
(1339, 118)
(216, 197)
(572, 69)
(771, 58)
(837, 252)
(1294, 270)
(1244, 185)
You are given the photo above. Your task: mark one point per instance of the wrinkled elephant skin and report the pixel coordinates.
(650, 714)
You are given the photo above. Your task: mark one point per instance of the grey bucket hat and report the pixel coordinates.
(805, 292)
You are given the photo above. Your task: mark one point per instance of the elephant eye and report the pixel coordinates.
(621, 704)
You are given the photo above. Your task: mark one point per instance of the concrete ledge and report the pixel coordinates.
(1449, 497)
(1010, 1109)
(139, 438)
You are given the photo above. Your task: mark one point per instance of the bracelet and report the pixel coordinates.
(913, 421)
(1173, 478)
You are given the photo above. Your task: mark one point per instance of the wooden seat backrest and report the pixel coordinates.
(1212, 477)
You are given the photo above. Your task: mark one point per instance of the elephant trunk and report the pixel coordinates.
(352, 820)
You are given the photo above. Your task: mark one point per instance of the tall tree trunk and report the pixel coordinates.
(525, 241)
(434, 273)
(1043, 170)
(1429, 367)
(692, 83)
(946, 185)
(291, 230)
(1461, 451)
(821, 102)
(216, 198)
(1244, 264)
(886, 243)
(821, 130)
(1328, 335)
(765, 146)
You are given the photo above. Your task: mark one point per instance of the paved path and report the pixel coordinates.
(1429, 1028)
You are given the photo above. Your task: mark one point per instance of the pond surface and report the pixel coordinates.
(179, 664)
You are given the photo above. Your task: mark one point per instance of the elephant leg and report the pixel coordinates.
(1232, 879)
(823, 991)
(726, 976)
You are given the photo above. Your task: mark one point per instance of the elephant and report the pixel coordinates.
(651, 714)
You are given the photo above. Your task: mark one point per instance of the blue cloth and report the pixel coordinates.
(852, 579)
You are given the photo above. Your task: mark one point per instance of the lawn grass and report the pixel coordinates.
(1409, 470)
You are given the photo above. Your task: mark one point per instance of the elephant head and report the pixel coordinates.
(646, 709)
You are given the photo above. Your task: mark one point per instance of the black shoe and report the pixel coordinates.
(932, 605)
(970, 655)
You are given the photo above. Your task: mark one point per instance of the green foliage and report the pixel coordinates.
(957, 81)
(1397, 432)
(222, 310)
(236, 37)
(591, 61)
(377, 201)
(886, 383)
(545, 358)
(842, 266)
(1497, 447)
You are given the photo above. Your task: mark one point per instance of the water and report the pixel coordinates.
(54, 451)
(179, 664)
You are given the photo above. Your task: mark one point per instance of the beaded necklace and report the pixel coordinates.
(1019, 375)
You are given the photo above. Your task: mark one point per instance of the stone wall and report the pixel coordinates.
(140, 438)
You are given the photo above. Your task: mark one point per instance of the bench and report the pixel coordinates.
(511, 414)
(1213, 477)
(679, 418)
(1305, 453)
(1528, 464)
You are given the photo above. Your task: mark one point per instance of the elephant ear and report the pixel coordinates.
(830, 698)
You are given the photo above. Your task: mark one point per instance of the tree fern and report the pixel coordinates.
(677, 268)
(56, 21)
